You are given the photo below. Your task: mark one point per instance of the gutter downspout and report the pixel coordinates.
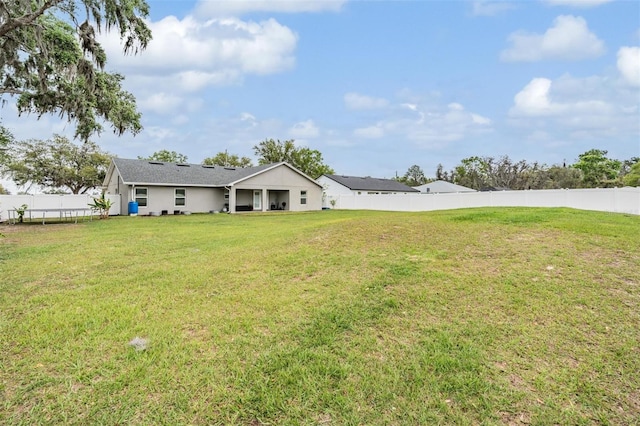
(132, 192)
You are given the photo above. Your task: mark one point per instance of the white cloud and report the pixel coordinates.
(577, 3)
(196, 54)
(240, 7)
(180, 119)
(158, 133)
(426, 126)
(478, 119)
(29, 126)
(304, 130)
(569, 39)
(535, 101)
(579, 109)
(161, 103)
(193, 81)
(629, 64)
(248, 118)
(443, 126)
(491, 8)
(357, 101)
(539, 136)
(414, 108)
(371, 132)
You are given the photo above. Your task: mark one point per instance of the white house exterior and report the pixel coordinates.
(172, 188)
(336, 185)
(442, 187)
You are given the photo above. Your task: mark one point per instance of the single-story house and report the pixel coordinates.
(335, 185)
(442, 187)
(173, 188)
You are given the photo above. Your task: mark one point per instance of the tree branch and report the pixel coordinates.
(12, 24)
(7, 91)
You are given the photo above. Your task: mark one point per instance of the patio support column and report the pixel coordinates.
(232, 199)
(265, 200)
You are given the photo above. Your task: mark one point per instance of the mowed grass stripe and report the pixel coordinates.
(493, 316)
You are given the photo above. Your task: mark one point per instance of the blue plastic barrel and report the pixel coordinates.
(133, 208)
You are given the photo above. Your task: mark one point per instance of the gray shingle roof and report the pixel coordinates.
(356, 183)
(160, 173)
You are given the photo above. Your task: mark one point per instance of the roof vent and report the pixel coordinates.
(229, 168)
(183, 165)
(208, 166)
(159, 163)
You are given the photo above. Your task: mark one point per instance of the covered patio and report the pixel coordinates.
(244, 200)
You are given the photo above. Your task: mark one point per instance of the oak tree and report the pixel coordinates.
(414, 176)
(597, 169)
(227, 160)
(57, 163)
(308, 161)
(52, 62)
(166, 156)
(632, 178)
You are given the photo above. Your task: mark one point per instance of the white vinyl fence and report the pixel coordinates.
(616, 200)
(53, 202)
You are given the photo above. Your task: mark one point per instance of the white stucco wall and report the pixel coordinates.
(332, 190)
(159, 198)
(282, 178)
(115, 187)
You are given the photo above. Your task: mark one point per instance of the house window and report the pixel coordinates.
(226, 195)
(141, 196)
(303, 197)
(181, 197)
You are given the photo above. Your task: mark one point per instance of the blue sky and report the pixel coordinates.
(378, 86)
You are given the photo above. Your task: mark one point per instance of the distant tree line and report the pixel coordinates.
(593, 169)
(59, 166)
(268, 151)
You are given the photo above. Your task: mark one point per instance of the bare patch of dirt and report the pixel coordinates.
(323, 419)
(501, 365)
(515, 419)
(634, 401)
(519, 383)
(34, 227)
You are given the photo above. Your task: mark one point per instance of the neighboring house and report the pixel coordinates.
(442, 187)
(335, 185)
(170, 188)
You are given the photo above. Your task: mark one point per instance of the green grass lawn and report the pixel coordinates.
(476, 316)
